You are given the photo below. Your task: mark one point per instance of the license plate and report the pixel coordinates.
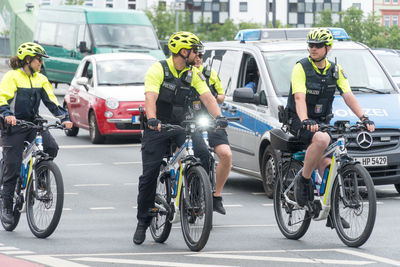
(135, 119)
(373, 161)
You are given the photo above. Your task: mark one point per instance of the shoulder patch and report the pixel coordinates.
(201, 76)
(344, 74)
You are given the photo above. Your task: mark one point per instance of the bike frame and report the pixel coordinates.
(336, 149)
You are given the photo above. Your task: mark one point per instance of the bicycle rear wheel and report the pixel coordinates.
(160, 226)
(292, 222)
(45, 203)
(196, 209)
(357, 206)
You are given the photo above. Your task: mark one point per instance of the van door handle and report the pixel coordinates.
(233, 109)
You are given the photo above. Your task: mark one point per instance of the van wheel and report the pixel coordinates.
(269, 170)
(397, 186)
(95, 135)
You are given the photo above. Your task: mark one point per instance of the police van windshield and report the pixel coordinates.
(124, 36)
(360, 67)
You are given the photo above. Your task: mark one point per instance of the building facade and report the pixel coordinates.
(389, 10)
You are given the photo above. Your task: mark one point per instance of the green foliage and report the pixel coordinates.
(5, 33)
(74, 2)
(366, 30)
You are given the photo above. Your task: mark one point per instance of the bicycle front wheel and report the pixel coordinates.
(293, 222)
(196, 208)
(44, 203)
(160, 226)
(357, 206)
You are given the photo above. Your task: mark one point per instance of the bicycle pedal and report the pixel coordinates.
(153, 212)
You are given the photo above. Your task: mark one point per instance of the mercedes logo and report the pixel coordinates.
(364, 140)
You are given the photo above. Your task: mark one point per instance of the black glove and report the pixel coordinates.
(221, 121)
(153, 122)
(367, 121)
(308, 122)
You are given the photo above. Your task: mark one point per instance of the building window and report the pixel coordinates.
(357, 5)
(386, 20)
(88, 3)
(395, 2)
(292, 18)
(224, 7)
(243, 7)
(292, 7)
(318, 7)
(207, 6)
(395, 20)
(327, 6)
(309, 7)
(387, 1)
(335, 7)
(215, 7)
(109, 3)
(309, 18)
(132, 4)
(300, 7)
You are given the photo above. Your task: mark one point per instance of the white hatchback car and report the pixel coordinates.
(105, 95)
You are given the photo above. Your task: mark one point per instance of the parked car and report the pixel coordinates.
(391, 60)
(105, 94)
(273, 53)
(69, 33)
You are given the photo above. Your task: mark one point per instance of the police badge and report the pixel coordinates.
(318, 108)
(196, 105)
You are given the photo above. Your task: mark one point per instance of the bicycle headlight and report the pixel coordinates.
(203, 121)
(112, 103)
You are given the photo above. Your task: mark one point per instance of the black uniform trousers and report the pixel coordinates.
(155, 144)
(13, 145)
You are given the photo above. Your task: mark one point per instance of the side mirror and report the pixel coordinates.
(82, 47)
(246, 95)
(83, 81)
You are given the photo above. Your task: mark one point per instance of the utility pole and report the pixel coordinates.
(274, 13)
(177, 6)
(267, 15)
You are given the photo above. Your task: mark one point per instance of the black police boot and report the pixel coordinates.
(302, 189)
(218, 206)
(7, 215)
(329, 222)
(140, 233)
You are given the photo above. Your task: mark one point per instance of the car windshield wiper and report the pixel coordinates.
(133, 83)
(137, 46)
(368, 89)
(109, 45)
(109, 84)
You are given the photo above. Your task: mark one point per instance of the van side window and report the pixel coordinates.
(63, 37)
(249, 73)
(225, 62)
(84, 36)
(47, 33)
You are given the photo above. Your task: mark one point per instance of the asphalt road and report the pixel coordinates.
(98, 222)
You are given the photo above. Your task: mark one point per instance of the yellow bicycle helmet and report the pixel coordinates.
(186, 40)
(30, 49)
(320, 35)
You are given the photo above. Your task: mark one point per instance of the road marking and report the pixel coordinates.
(127, 162)
(84, 164)
(233, 206)
(102, 208)
(258, 193)
(280, 259)
(51, 261)
(17, 252)
(135, 207)
(97, 146)
(88, 185)
(268, 205)
(70, 193)
(369, 256)
(8, 248)
(226, 194)
(144, 262)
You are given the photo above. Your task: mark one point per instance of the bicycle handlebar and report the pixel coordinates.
(341, 127)
(41, 126)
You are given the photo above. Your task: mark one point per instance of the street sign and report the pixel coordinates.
(179, 6)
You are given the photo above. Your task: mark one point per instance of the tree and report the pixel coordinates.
(373, 32)
(352, 20)
(323, 19)
(393, 37)
(74, 2)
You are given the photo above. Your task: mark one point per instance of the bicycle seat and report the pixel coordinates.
(286, 142)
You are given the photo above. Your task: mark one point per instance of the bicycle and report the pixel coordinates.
(183, 188)
(39, 190)
(346, 193)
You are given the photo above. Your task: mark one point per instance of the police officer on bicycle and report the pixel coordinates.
(21, 90)
(168, 84)
(313, 85)
(218, 138)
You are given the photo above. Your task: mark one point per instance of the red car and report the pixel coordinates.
(105, 95)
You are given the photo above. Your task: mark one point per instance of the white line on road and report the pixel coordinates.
(233, 206)
(70, 193)
(7, 248)
(96, 146)
(280, 259)
(102, 208)
(84, 164)
(268, 205)
(18, 252)
(50, 261)
(127, 162)
(144, 262)
(235, 226)
(130, 183)
(369, 256)
(88, 185)
(258, 193)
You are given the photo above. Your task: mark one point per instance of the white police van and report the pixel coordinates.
(272, 53)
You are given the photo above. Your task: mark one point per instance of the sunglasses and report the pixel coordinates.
(198, 49)
(319, 45)
(39, 59)
(200, 55)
